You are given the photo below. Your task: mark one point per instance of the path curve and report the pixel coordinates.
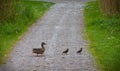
(61, 28)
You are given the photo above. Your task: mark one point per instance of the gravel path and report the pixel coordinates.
(61, 28)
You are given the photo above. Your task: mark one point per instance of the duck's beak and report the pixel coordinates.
(45, 44)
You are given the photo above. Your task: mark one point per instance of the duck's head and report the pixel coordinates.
(67, 49)
(43, 43)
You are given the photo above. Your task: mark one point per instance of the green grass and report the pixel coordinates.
(104, 35)
(21, 16)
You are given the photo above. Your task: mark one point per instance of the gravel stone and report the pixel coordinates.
(61, 27)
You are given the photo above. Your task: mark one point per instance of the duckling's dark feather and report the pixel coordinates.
(66, 51)
(79, 51)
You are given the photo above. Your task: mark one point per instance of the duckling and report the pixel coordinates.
(79, 51)
(39, 50)
(66, 51)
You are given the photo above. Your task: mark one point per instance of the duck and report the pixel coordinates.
(39, 50)
(66, 51)
(79, 51)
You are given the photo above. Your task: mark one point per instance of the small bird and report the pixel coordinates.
(39, 50)
(66, 51)
(79, 51)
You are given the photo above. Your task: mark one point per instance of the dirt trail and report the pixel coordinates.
(61, 28)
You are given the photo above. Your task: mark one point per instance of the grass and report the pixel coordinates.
(104, 35)
(21, 15)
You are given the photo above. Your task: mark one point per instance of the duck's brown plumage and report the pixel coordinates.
(39, 50)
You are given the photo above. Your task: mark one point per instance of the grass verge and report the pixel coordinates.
(22, 15)
(104, 35)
